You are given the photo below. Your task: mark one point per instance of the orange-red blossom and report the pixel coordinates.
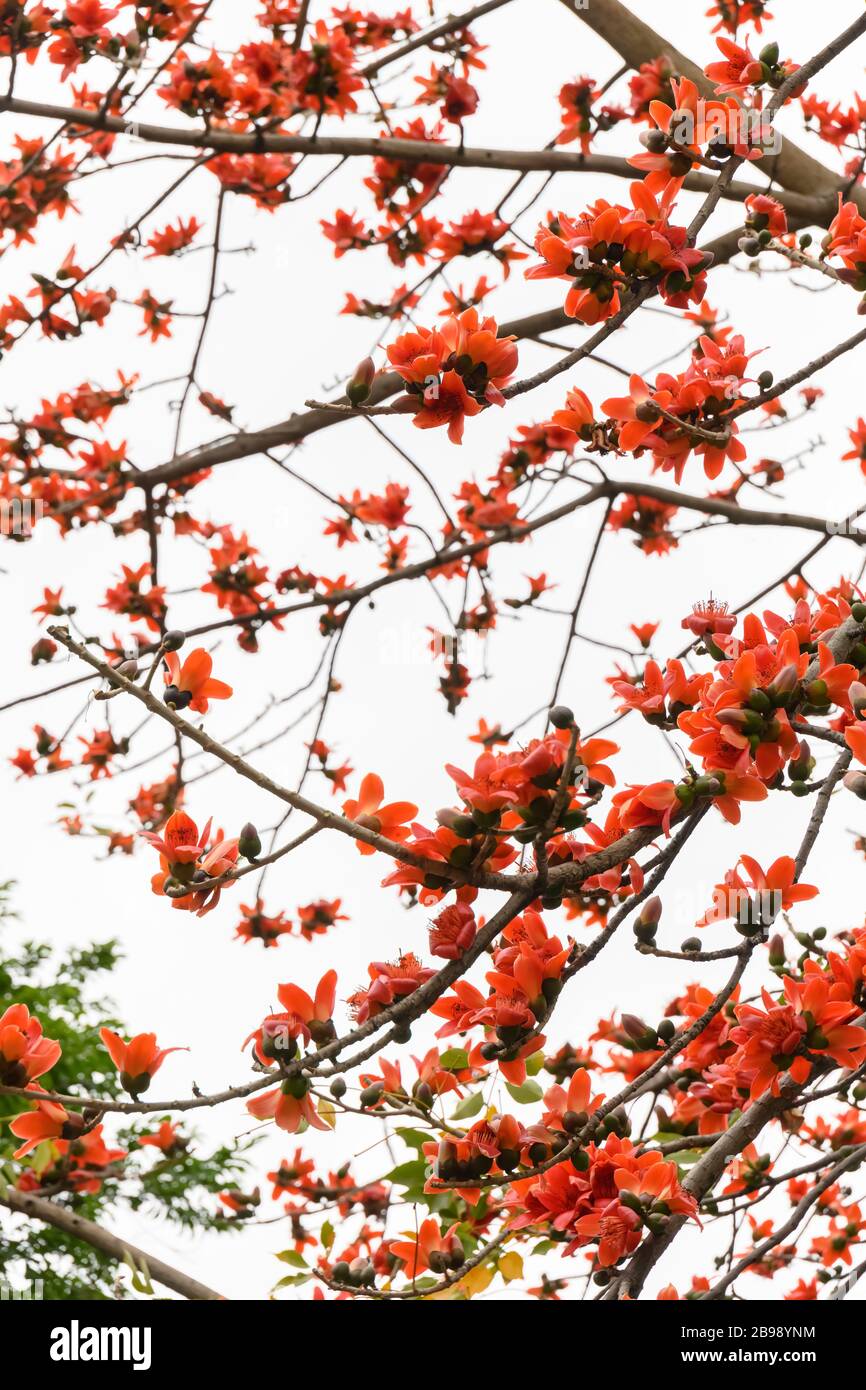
(192, 685)
(24, 1053)
(138, 1061)
(187, 865)
(455, 370)
(428, 1248)
(814, 1016)
(368, 811)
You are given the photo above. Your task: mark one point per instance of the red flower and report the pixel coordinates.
(24, 1053)
(391, 980)
(740, 70)
(303, 1017)
(167, 1139)
(290, 1106)
(47, 1121)
(138, 1061)
(191, 685)
(772, 892)
(173, 239)
(187, 863)
(453, 932)
(428, 1248)
(813, 1016)
(455, 370)
(368, 811)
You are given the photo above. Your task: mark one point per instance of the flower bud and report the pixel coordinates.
(372, 1095)
(801, 765)
(777, 950)
(855, 782)
(744, 719)
(654, 140)
(651, 912)
(857, 696)
(249, 843)
(817, 693)
(358, 388)
(630, 1200)
(784, 685)
(634, 1027)
(43, 650)
(173, 640)
(561, 717)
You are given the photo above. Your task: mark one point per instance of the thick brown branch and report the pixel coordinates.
(40, 1209)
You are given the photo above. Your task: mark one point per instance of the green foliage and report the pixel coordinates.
(65, 991)
(182, 1189)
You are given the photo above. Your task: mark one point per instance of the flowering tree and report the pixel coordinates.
(532, 1147)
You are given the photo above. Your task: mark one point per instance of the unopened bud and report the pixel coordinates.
(855, 782)
(358, 388)
(857, 696)
(249, 843)
(634, 1027)
(817, 692)
(784, 685)
(651, 912)
(745, 719)
(561, 717)
(654, 140)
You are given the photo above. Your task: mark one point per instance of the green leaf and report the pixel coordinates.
(413, 1138)
(411, 1174)
(468, 1107)
(291, 1257)
(535, 1063)
(455, 1059)
(526, 1094)
(292, 1281)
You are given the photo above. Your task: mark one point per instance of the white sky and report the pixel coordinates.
(276, 341)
